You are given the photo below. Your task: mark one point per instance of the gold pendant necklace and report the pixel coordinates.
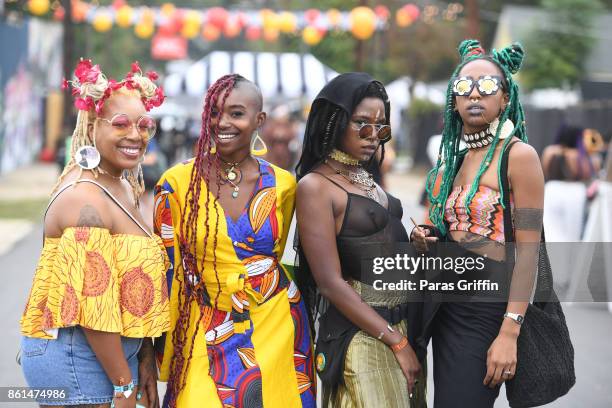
(233, 174)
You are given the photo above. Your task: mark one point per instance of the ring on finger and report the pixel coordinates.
(508, 373)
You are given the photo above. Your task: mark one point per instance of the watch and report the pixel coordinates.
(517, 318)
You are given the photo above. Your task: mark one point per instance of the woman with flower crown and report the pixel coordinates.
(486, 201)
(366, 352)
(240, 335)
(99, 294)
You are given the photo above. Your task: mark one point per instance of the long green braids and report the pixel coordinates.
(509, 61)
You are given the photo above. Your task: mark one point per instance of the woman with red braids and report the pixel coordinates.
(239, 335)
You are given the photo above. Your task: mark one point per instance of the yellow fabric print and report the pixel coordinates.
(91, 278)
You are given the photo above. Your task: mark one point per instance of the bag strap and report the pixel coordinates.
(544, 282)
(115, 200)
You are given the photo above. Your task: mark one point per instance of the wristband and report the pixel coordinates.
(123, 391)
(400, 346)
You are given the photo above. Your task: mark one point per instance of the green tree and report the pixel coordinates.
(558, 49)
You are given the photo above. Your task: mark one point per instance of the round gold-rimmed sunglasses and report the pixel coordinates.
(145, 125)
(365, 130)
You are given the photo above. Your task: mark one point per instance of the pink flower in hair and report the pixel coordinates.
(152, 75)
(65, 84)
(86, 73)
(84, 103)
(135, 67)
(100, 105)
(114, 85)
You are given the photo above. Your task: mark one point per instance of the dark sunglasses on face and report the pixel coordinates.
(122, 125)
(365, 130)
(486, 85)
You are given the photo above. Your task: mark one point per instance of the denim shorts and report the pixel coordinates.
(70, 364)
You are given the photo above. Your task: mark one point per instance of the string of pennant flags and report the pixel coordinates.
(213, 23)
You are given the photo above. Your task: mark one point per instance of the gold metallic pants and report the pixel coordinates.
(373, 378)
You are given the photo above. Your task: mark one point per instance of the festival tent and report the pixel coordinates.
(281, 76)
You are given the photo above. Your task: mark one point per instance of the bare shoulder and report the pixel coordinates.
(311, 185)
(524, 167)
(523, 154)
(81, 205)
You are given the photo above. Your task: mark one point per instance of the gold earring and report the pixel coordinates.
(213, 147)
(262, 149)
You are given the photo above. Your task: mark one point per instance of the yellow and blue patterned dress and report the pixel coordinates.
(255, 348)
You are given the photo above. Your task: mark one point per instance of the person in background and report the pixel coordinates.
(574, 155)
(570, 166)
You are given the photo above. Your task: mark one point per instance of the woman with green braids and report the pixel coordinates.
(475, 343)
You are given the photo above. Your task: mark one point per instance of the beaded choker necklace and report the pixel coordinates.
(344, 158)
(478, 139)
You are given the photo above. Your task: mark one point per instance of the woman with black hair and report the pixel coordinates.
(371, 361)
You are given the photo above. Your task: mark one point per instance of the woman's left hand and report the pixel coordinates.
(147, 375)
(501, 359)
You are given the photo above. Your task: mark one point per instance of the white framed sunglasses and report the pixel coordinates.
(365, 130)
(486, 85)
(121, 123)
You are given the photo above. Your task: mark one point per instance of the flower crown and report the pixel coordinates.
(92, 89)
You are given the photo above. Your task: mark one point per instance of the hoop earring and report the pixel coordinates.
(262, 149)
(213, 147)
(87, 157)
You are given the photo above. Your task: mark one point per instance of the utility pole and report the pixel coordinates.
(360, 47)
(68, 62)
(473, 19)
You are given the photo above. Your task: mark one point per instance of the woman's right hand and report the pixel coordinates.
(409, 363)
(421, 238)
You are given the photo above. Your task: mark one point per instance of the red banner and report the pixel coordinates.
(164, 47)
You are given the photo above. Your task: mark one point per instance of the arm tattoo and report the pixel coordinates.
(89, 217)
(529, 219)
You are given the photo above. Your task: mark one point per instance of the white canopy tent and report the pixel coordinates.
(279, 75)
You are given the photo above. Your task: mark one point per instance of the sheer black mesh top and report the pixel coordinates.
(366, 222)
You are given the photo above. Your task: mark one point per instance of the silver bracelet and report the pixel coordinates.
(382, 333)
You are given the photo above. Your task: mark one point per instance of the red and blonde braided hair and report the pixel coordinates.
(206, 165)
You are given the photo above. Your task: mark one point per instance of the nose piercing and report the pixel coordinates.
(473, 100)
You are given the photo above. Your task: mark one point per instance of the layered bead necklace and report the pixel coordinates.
(359, 177)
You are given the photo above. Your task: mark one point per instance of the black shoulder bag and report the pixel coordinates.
(545, 355)
(334, 336)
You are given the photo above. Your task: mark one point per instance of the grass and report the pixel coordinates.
(25, 209)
